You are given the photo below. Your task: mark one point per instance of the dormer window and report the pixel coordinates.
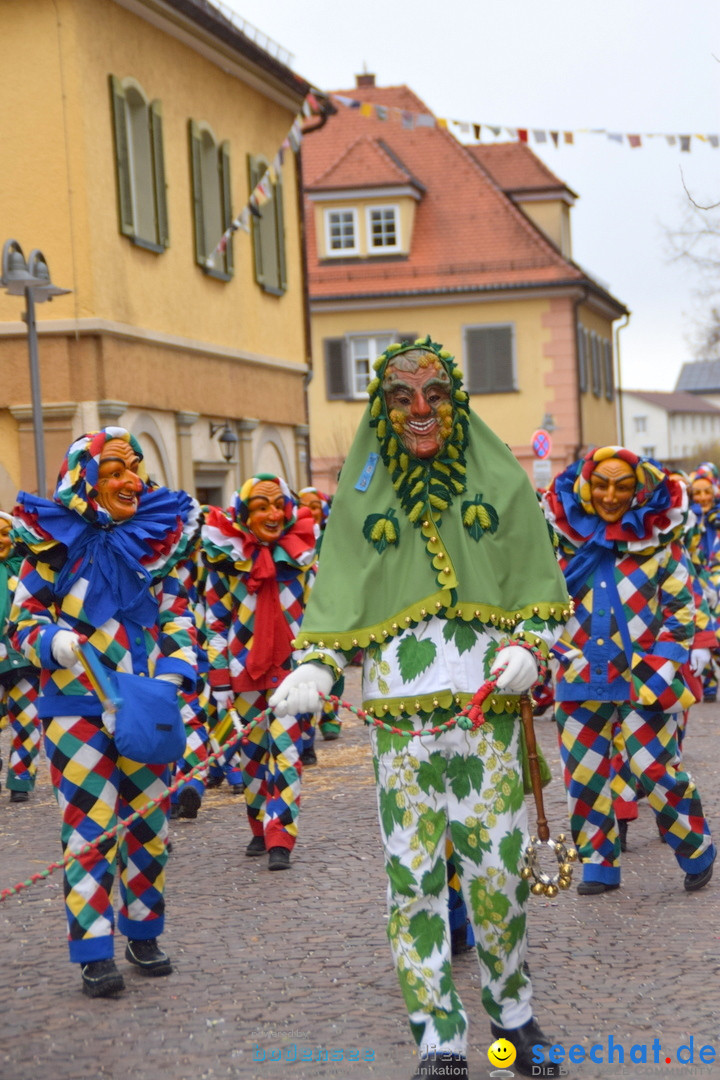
(341, 232)
(383, 228)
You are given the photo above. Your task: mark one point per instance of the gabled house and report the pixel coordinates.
(133, 133)
(675, 427)
(409, 232)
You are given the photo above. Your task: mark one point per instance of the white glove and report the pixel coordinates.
(63, 648)
(299, 692)
(3, 651)
(171, 677)
(699, 660)
(521, 671)
(224, 700)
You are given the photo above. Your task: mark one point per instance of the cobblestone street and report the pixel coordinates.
(263, 960)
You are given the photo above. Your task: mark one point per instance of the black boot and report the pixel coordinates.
(100, 978)
(308, 756)
(147, 957)
(188, 802)
(445, 1065)
(524, 1039)
(279, 859)
(622, 830)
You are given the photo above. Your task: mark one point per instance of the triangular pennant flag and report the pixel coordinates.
(702, 138)
(635, 141)
(685, 143)
(441, 123)
(476, 132)
(348, 102)
(464, 127)
(522, 134)
(381, 112)
(568, 137)
(272, 174)
(496, 131)
(512, 132)
(244, 220)
(671, 140)
(306, 109)
(540, 136)
(253, 206)
(366, 109)
(615, 136)
(425, 120)
(555, 136)
(408, 120)
(713, 140)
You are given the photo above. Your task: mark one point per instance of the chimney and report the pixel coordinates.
(366, 79)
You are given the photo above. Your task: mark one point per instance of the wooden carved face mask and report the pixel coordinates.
(417, 392)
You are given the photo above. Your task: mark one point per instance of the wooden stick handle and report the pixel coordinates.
(526, 712)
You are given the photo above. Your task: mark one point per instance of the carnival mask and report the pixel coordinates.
(417, 391)
(118, 484)
(5, 541)
(312, 500)
(266, 511)
(703, 493)
(612, 487)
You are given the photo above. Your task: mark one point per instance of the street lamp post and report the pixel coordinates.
(31, 279)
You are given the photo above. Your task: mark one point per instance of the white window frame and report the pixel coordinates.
(640, 423)
(375, 348)
(384, 248)
(339, 253)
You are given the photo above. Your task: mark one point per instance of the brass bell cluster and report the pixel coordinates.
(542, 883)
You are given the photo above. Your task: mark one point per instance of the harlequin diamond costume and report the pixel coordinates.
(330, 725)
(620, 522)
(18, 680)
(436, 563)
(705, 494)
(100, 563)
(259, 554)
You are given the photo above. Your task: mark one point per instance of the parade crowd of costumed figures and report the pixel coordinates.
(214, 638)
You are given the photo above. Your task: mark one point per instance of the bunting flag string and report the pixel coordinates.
(263, 190)
(313, 106)
(410, 120)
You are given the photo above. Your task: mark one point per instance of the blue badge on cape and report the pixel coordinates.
(368, 471)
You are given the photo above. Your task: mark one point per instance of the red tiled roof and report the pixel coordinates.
(467, 233)
(515, 168)
(364, 163)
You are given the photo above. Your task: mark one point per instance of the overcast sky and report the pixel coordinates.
(629, 66)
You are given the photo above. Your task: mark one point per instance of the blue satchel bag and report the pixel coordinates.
(148, 722)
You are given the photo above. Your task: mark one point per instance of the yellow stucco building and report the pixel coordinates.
(410, 232)
(133, 133)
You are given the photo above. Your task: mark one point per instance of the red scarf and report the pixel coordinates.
(272, 637)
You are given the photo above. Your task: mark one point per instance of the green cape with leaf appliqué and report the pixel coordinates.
(487, 556)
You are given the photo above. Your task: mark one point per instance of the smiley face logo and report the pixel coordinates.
(502, 1053)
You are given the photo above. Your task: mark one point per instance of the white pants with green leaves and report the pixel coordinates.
(466, 785)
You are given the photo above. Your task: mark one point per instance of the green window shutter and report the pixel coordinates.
(581, 360)
(197, 197)
(280, 235)
(226, 197)
(255, 170)
(122, 158)
(156, 139)
(609, 372)
(337, 383)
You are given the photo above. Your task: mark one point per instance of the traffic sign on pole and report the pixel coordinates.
(541, 443)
